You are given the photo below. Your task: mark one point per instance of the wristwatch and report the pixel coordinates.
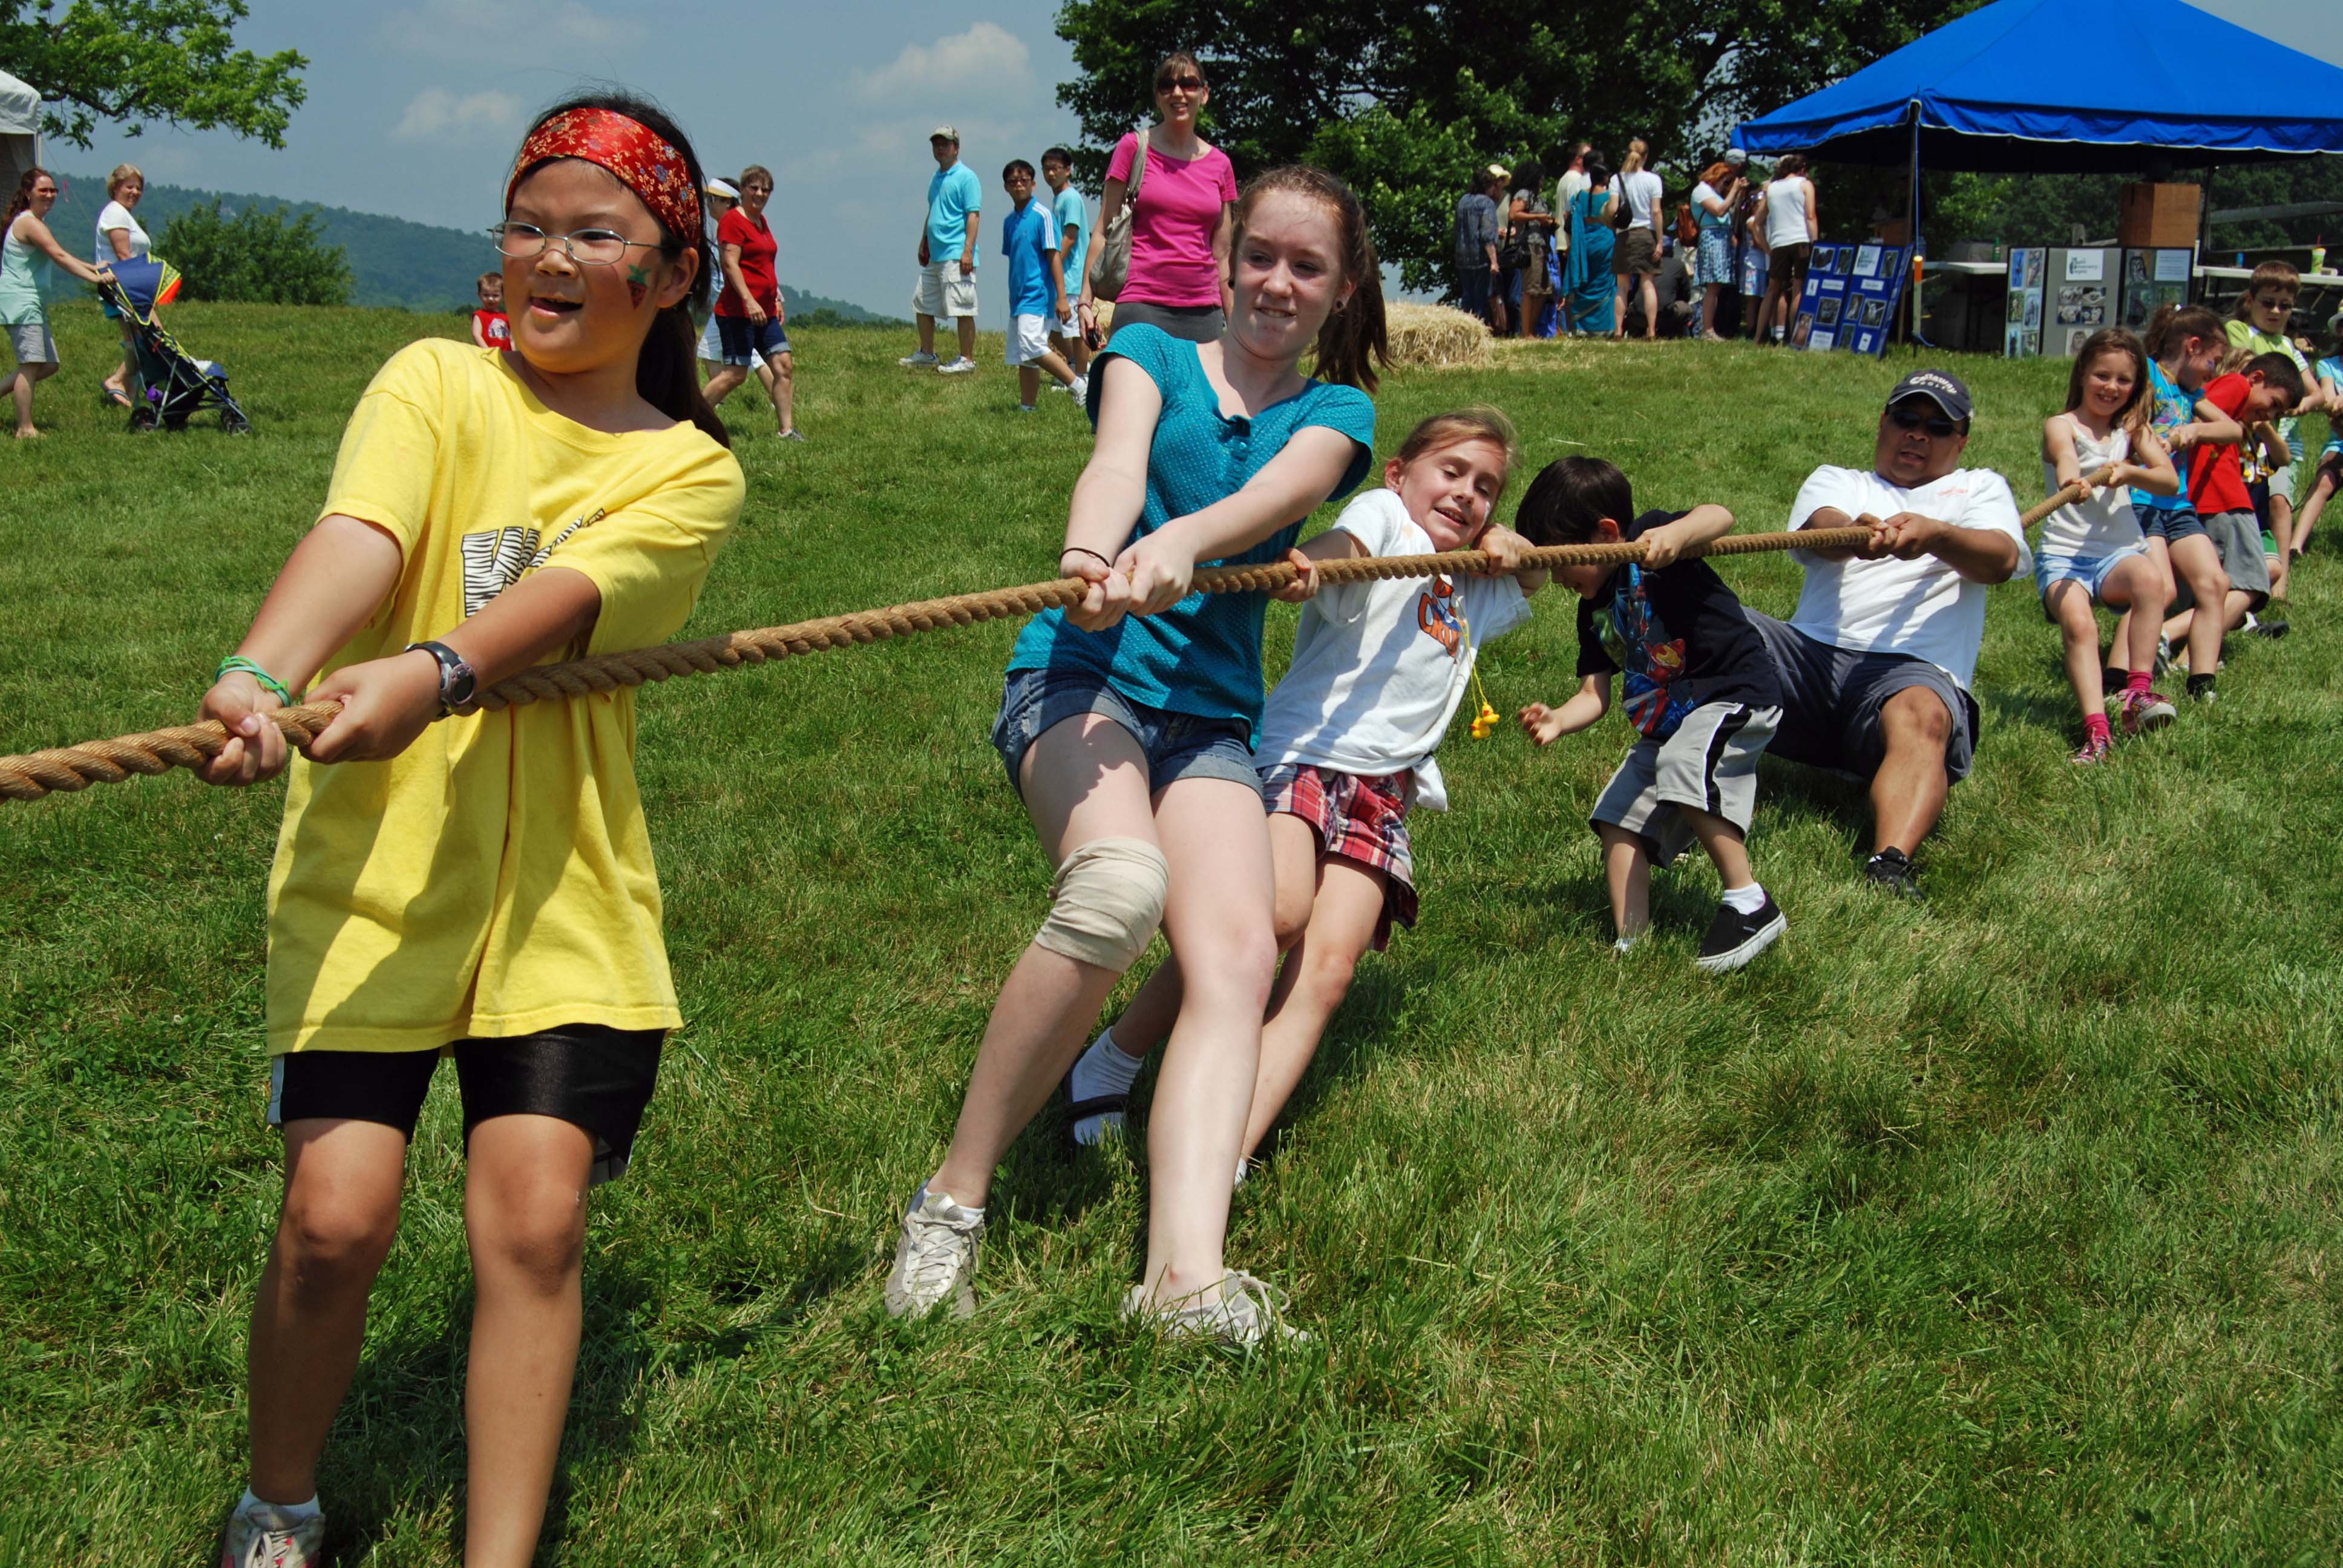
(457, 680)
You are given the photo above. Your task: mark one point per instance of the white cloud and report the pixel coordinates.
(437, 114)
(463, 29)
(987, 58)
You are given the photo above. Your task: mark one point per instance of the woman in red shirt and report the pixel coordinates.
(749, 312)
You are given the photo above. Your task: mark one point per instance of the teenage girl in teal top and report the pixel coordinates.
(1127, 727)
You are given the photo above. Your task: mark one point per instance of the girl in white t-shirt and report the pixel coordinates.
(2092, 550)
(1345, 749)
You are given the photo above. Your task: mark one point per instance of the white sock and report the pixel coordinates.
(921, 1197)
(1624, 945)
(1748, 899)
(1081, 387)
(1103, 1069)
(296, 1512)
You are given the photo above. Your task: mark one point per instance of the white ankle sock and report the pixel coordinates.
(921, 1197)
(1101, 1069)
(296, 1512)
(1748, 899)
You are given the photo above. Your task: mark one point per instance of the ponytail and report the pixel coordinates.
(1354, 337)
(666, 371)
(2178, 323)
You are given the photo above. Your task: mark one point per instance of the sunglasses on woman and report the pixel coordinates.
(1913, 419)
(1185, 84)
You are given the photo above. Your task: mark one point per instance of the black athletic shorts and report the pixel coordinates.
(587, 1074)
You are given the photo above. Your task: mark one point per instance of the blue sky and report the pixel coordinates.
(414, 106)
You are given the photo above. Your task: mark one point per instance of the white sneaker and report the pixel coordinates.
(1249, 1312)
(917, 361)
(960, 366)
(263, 1535)
(1080, 389)
(935, 1260)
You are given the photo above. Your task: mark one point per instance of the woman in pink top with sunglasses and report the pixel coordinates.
(1180, 224)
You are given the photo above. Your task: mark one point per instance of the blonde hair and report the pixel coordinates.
(2233, 361)
(1479, 423)
(122, 176)
(1636, 152)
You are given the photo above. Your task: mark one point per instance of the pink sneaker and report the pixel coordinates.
(2144, 712)
(2095, 749)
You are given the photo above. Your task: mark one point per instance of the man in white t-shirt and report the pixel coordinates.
(1875, 663)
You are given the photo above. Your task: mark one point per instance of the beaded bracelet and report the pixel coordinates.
(236, 664)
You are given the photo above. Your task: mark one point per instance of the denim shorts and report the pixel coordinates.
(1177, 745)
(2091, 571)
(746, 341)
(2171, 524)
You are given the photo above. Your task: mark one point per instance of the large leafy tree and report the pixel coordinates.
(147, 61)
(1403, 98)
(262, 257)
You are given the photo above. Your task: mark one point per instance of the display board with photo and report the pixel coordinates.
(1850, 297)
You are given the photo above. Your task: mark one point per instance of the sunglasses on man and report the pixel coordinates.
(1937, 424)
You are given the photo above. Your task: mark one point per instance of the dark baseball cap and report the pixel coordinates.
(1944, 391)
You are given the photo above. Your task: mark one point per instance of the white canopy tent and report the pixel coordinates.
(20, 132)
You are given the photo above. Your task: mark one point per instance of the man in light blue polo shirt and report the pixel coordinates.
(1072, 216)
(948, 248)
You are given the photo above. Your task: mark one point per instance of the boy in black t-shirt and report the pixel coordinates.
(1701, 693)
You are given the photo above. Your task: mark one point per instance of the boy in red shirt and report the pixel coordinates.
(2266, 384)
(490, 329)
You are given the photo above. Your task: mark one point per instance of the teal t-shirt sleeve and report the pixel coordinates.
(1351, 411)
(1149, 347)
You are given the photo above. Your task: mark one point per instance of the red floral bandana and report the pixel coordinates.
(644, 162)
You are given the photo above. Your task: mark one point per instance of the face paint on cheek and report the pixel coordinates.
(639, 282)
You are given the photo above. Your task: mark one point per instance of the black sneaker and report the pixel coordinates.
(1890, 871)
(1733, 939)
(2272, 630)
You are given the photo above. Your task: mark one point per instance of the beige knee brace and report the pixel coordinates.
(1109, 899)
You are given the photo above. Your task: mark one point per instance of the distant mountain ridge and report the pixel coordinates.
(394, 263)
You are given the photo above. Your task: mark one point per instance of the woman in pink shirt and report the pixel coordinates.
(1181, 225)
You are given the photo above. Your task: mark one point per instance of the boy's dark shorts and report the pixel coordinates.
(587, 1074)
(1832, 697)
(1177, 745)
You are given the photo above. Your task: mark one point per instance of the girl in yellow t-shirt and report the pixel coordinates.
(481, 886)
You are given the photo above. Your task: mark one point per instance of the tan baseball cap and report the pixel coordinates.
(943, 134)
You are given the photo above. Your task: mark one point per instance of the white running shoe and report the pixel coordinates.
(1249, 1312)
(935, 1260)
(960, 366)
(263, 1535)
(919, 361)
(1080, 389)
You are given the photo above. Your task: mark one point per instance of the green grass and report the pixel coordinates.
(2004, 1228)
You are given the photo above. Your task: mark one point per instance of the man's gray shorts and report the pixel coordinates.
(1832, 697)
(2239, 536)
(1709, 764)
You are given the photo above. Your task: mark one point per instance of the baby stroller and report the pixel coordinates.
(178, 386)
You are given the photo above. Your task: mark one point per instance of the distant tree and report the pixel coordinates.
(1403, 98)
(256, 256)
(2045, 209)
(143, 61)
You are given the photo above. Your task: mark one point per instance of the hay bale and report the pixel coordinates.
(1435, 335)
(1420, 333)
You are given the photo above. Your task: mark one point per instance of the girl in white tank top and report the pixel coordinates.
(2091, 552)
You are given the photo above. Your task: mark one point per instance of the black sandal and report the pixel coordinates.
(1097, 1105)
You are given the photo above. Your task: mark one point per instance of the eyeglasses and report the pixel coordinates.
(586, 247)
(1913, 419)
(1184, 83)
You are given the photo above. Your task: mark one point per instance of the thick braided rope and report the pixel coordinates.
(72, 768)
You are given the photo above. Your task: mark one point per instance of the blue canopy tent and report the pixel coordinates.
(2069, 86)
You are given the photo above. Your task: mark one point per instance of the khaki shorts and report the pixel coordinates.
(943, 290)
(32, 344)
(1709, 764)
(1638, 255)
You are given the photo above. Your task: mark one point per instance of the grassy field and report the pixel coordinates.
(2000, 1229)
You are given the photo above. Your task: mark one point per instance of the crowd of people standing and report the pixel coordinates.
(1606, 260)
